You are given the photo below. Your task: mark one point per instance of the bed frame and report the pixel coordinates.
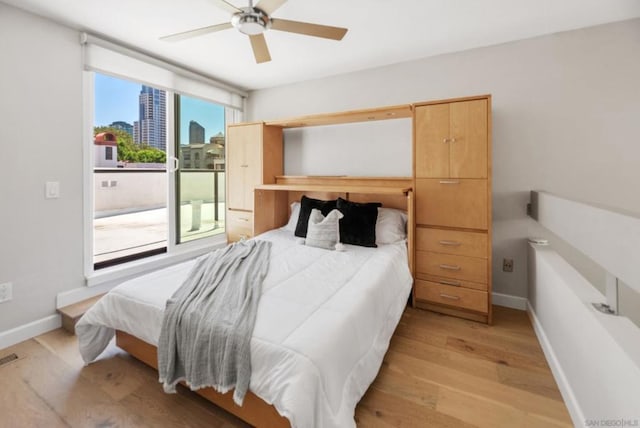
(272, 211)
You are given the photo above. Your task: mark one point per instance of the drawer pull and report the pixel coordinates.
(449, 181)
(447, 282)
(450, 267)
(449, 296)
(450, 243)
(243, 219)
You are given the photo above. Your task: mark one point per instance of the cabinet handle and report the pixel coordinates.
(243, 219)
(447, 282)
(452, 139)
(450, 243)
(446, 140)
(243, 166)
(450, 267)
(449, 181)
(449, 296)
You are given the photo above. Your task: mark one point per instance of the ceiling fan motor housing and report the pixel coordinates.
(251, 21)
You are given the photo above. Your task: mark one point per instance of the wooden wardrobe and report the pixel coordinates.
(254, 157)
(451, 186)
(452, 173)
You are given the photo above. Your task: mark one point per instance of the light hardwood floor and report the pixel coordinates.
(439, 372)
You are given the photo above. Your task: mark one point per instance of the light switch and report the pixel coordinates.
(52, 190)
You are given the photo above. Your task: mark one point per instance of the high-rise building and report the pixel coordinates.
(196, 133)
(151, 127)
(128, 128)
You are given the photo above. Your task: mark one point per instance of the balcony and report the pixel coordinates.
(131, 216)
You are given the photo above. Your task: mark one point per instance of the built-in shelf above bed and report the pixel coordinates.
(336, 189)
(352, 116)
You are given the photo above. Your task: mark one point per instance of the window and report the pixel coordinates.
(130, 219)
(154, 157)
(200, 130)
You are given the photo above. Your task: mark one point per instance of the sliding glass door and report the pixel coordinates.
(200, 148)
(132, 199)
(130, 218)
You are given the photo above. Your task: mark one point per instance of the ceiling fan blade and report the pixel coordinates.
(308, 29)
(197, 32)
(226, 6)
(260, 49)
(270, 6)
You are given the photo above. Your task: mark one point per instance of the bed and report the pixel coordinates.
(323, 325)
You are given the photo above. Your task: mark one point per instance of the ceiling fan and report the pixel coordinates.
(254, 21)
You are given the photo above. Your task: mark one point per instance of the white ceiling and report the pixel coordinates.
(381, 32)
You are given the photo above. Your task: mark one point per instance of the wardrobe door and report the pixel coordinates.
(252, 162)
(235, 168)
(244, 169)
(432, 145)
(469, 139)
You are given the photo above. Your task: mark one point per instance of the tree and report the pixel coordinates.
(128, 151)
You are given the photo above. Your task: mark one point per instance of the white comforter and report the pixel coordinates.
(324, 323)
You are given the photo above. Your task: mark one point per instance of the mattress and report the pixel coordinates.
(323, 325)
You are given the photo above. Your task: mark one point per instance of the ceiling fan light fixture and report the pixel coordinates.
(255, 21)
(251, 22)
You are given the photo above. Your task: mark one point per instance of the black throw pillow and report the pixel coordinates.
(358, 226)
(306, 205)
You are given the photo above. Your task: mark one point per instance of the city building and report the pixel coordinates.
(127, 127)
(196, 133)
(106, 150)
(203, 155)
(150, 128)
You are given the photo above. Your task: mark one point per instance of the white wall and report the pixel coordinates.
(595, 358)
(129, 191)
(385, 144)
(566, 118)
(40, 140)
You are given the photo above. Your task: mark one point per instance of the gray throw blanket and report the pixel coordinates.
(208, 322)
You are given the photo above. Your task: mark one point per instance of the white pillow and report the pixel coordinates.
(391, 226)
(293, 219)
(323, 232)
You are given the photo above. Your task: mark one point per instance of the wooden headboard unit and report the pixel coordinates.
(272, 201)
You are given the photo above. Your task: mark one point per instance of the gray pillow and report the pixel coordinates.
(323, 232)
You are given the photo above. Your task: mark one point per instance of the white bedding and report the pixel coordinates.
(324, 323)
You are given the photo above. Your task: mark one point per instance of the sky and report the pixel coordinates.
(117, 100)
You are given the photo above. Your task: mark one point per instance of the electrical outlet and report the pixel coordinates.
(507, 265)
(6, 292)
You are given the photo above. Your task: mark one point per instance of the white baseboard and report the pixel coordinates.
(577, 416)
(27, 331)
(509, 301)
(79, 294)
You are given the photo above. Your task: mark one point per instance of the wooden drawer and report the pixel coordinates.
(482, 286)
(452, 203)
(239, 225)
(449, 266)
(473, 244)
(465, 298)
